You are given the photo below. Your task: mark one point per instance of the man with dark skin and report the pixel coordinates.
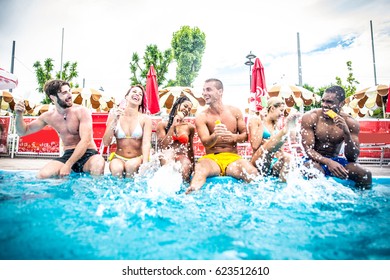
(323, 134)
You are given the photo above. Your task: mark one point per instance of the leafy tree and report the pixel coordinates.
(350, 87)
(308, 87)
(153, 56)
(44, 74)
(69, 72)
(188, 46)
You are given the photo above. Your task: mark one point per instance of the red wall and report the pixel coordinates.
(374, 132)
(47, 140)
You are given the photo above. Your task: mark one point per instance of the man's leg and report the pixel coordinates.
(95, 165)
(361, 176)
(242, 169)
(203, 168)
(51, 169)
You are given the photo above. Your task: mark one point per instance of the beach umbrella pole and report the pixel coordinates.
(383, 108)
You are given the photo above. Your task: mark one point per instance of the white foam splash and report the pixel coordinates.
(166, 180)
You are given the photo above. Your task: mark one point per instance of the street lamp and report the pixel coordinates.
(249, 63)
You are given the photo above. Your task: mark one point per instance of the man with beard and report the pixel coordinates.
(73, 123)
(323, 133)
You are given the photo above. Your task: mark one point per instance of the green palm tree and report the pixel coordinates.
(44, 74)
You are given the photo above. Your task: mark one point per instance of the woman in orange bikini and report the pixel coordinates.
(132, 129)
(176, 136)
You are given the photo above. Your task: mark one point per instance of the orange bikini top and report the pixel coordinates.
(181, 138)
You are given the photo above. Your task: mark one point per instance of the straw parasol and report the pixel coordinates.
(168, 96)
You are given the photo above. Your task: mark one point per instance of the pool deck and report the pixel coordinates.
(29, 164)
(36, 164)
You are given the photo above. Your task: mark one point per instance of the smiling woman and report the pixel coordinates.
(131, 128)
(175, 137)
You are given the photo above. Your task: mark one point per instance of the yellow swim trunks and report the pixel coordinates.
(223, 160)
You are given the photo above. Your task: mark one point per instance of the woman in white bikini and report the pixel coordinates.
(177, 135)
(132, 129)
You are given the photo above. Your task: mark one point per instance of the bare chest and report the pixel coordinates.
(328, 133)
(66, 127)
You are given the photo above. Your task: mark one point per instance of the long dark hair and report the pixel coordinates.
(142, 107)
(174, 109)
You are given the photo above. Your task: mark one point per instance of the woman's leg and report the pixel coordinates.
(132, 166)
(117, 167)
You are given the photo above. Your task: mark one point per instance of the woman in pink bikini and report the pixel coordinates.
(175, 137)
(132, 129)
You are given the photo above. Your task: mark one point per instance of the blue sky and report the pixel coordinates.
(101, 36)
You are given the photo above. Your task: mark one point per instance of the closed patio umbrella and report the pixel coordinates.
(152, 92)
(258, 98)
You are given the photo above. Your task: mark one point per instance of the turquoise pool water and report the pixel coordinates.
(82, 217)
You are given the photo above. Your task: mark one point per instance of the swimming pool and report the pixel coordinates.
(82, 217)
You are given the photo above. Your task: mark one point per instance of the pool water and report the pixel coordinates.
(83, 217)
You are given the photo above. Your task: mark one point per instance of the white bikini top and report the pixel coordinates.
(120, 134)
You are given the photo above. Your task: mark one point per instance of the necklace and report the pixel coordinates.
(65, 116)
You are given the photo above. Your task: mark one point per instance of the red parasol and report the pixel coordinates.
(258, 99)
(152, 92)
(7, 80)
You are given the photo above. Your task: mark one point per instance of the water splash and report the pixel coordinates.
(167, 179)
(301, 219)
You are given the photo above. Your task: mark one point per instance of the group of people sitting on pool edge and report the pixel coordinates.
(220, 127)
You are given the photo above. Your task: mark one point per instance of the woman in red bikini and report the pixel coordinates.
(132, 129)
(175, 137)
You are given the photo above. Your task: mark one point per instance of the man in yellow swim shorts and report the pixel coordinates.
(220, 127)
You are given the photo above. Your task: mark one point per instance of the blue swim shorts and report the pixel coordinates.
(343, 161)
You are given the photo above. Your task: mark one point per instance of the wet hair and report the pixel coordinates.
(53, 87)
(174, 109)
(339, 91)
(275, 102)
(218, 84)
(142, 107)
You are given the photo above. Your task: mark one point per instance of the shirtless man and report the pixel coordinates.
(220, 127)
(73, 123)
(323, 135)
